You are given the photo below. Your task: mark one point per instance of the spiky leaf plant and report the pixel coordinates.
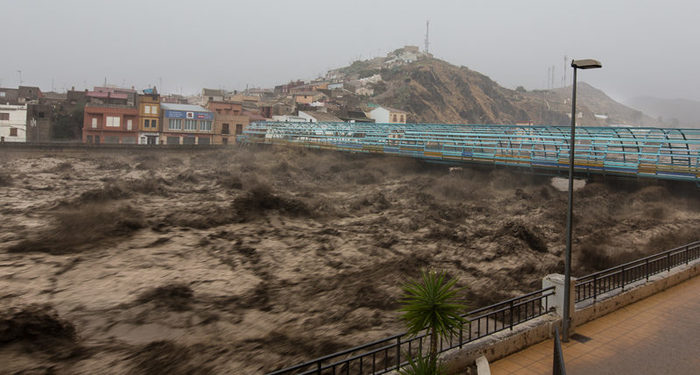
(432, 302)
(422, 366)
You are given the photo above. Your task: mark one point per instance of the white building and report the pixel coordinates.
(364, 91)
(387, 115)
(13, 123)
(372, 79)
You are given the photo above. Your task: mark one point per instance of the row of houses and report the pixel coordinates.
(117, 115)
(151, 121)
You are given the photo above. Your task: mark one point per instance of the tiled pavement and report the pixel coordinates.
(657, 335)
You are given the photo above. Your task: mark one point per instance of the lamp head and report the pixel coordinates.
(586, 64)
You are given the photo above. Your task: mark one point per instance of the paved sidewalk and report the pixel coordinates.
(657, 335)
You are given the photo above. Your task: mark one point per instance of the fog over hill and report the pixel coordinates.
(672, 112)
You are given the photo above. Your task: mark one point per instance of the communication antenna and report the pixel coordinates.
(427, 36)
(563, 80)
(20, 77)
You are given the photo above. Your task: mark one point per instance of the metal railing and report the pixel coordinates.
(558, 366)
(385, 355)
(595, 284)
(659, 153)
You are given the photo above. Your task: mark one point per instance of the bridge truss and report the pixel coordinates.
(660, 153)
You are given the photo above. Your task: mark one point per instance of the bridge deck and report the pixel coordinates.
(661, 153)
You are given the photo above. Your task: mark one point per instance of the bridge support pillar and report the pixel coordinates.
(557, 301)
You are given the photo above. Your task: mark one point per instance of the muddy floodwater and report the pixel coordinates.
(245, 260)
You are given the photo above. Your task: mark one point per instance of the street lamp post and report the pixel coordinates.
(566, 321)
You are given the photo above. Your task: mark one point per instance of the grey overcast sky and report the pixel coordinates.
(647, 47)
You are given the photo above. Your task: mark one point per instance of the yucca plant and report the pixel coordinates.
(422, 366)
(432, 302)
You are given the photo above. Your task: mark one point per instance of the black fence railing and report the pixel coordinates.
(595, 284)
(388, 354)
(558, 366)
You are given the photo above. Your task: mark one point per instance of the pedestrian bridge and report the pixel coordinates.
(659, 153)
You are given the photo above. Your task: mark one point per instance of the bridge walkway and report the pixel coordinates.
(657, 335)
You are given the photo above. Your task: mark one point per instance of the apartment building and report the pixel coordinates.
(110, 123)
(13, 123)
(186, 124)
(149, 117)
(228, 121)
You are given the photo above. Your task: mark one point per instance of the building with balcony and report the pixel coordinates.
(149, 117)
(110, 123)
(186, 124)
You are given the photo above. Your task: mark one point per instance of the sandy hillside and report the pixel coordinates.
(246, 260)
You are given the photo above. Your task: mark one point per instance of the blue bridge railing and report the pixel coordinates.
(661, 153)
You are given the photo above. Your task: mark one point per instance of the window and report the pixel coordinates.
(2, 94)
(203, 141)
(4, 116)
(147, 109)
(94, 122)
(175, 124)
(129, 140)
(173, 140)
(112, 122)
(224, 129)
(112, 139)
(89, 139)
(190, 124)
(393, 118)
(13, 132)
(129, 124)
(146, 123)
(205, 125)
(154, 123)
(239, 129)
(154, 109)
(188, 140)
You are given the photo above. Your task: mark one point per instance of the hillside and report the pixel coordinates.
(433, 90)
(436, 91)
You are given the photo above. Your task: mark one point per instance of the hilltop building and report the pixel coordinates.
(388, 115)
(186, 124)
(212, 95)
(313, 116)
(308, 97)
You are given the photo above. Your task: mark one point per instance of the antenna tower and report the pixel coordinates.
(427, 36)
